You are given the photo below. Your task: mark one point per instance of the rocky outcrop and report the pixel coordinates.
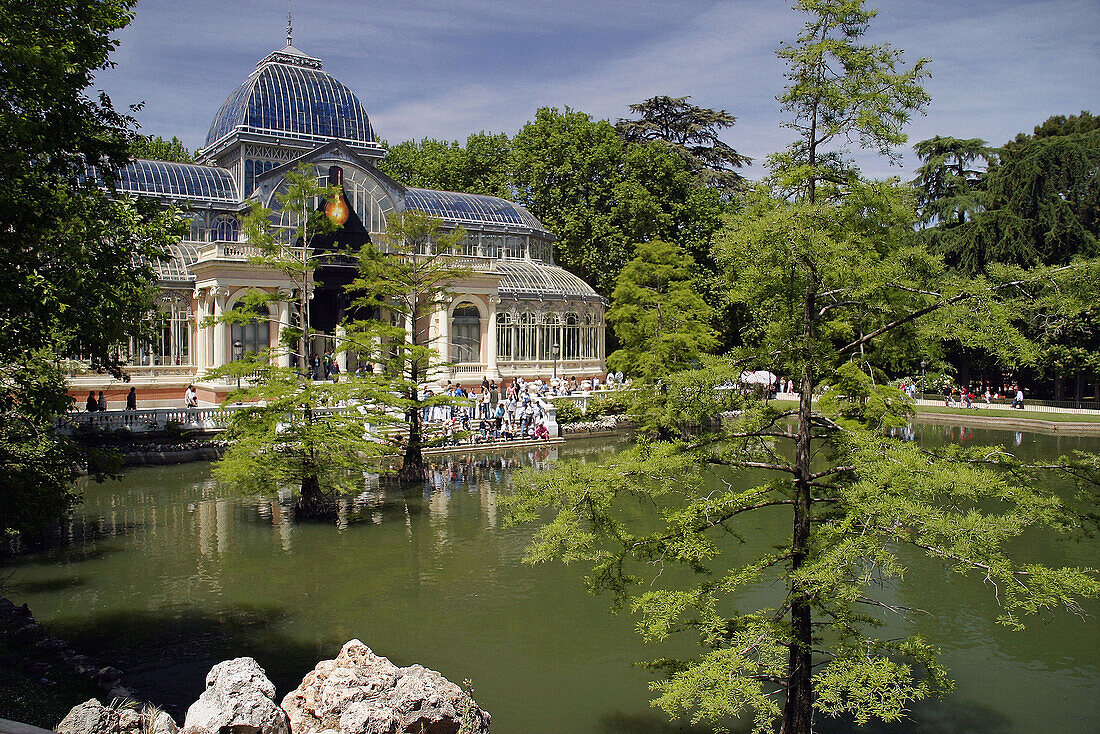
(238, 695)
(33, 649)
(92, 717)
(357, 693)
(363, 693)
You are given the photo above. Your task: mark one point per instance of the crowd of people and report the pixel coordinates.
(965, 397)
(495, 413)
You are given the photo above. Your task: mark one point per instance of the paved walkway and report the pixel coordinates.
(979, 406)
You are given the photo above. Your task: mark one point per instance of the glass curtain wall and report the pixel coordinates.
(254, 335)
(530, 335)
(466, 334)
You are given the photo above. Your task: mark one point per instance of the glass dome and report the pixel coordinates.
(289, 95)
(533, 279)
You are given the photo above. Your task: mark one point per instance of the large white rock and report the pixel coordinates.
(92, 717)
(238, 694)
(362, 693)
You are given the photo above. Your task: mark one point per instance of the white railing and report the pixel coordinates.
(473, 262)
(472, 368)
(1029, 407)
(217, 417)
(224, 250)
(150, 419)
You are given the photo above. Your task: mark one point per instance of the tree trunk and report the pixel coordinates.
(313, 504)
(412, 464)
(798, 708)
(1078, 391)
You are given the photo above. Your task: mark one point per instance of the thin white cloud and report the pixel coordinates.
(447, 68)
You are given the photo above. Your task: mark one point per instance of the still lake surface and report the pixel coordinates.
(165, 574)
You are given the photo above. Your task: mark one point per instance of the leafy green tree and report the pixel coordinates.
(313, 437)
(405, 280)
(156, 148)
(949, 188)
(38, 466)
(76, 279)
(292, 252)
(1038, 203)
(1044, 199)
(692, 132)
(661, 322)
(601, 196)
(823, 262)
(483, 166)
(76, 275)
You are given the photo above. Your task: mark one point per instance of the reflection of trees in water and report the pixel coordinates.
(183, 506)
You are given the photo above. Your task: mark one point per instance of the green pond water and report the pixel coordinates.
(163, 575)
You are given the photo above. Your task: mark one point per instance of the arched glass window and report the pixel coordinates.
(570, 337)
(525, 336)
(514, 246)
(470, 244)
(504, 336)
(198, 228)
(466, 334)
(171, 344)
(491, 245)
(588, 337)
(254, 336)
(366, 195)
(225, 228)
(548, 336)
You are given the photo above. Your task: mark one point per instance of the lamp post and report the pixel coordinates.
(923, 364)
(238, 352)
(555, 349)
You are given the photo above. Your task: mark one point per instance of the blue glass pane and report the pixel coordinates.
(177, 181)
(293, 101)
(470, 208)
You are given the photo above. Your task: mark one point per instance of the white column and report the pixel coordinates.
(198, 343)
(491, 340)
(443, 346)
(341, 342)
(284, 323)
(221, 346)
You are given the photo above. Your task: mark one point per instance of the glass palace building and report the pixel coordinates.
(517, 314)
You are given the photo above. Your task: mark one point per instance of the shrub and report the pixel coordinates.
(567, 412)
(612, 403)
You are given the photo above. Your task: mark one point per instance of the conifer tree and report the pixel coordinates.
(692, 132)
(405, 280)
(823, 262)
(661, 322)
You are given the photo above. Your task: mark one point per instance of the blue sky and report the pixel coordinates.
(447, 68)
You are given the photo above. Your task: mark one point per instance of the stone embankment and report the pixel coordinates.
(172, 453)
(44, 654)
(357, 693)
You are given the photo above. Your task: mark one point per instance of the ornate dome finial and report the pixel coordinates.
(289, 27)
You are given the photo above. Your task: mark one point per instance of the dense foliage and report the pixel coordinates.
(482, 166)
(156, 148)
(588, 185)
(825, 267)
(76, 276)
(661, 322)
